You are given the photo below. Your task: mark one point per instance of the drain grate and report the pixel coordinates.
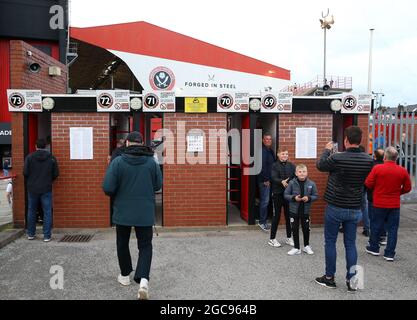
(76, 238)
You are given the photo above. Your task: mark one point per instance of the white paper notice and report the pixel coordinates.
(81, 143)
(306, 143)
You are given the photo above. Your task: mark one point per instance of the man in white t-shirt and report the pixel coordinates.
(9, 192)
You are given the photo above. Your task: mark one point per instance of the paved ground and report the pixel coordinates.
(205, 265)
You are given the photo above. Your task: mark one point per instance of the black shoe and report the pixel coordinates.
(351, 286)
(328, 283)
(365, 233)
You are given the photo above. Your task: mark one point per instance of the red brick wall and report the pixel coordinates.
(194, 195)
(79, 201)
(287, 130)
(21, 78)
(18, 162)
(363, 124)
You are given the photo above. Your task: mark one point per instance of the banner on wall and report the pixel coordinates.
(24, 100)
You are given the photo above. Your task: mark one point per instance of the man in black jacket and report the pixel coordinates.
(347, 173)
(264, 180)
(40, 170)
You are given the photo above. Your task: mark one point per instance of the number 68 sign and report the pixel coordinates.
(356, 103)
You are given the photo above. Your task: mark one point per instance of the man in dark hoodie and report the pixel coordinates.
(132, 180)
(40, 171)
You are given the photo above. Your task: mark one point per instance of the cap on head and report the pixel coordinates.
(135, 137)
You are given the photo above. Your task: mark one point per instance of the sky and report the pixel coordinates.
(288, 34)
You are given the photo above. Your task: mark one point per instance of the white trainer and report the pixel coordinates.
(143, 293)
(290, 242)
(125, 281)
(308, 250)
(274, 243)
(294, 251)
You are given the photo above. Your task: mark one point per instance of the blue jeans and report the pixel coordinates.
(365, 213)
(371, 217)
(46, 201)
(349, 219)
(5, 172)
(264, 193)
(391, 218)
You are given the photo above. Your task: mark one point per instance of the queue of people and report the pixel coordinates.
(133, 177)
(359, 188)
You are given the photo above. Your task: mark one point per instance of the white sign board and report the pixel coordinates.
(159, 101)
(113, 101)
(195, 143)
(155, 73)
(360, 103)
(81, 143)
(233, 102)
(24, 100)
(306, 143)
(276, 102)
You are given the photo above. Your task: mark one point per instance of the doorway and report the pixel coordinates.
(147, 124)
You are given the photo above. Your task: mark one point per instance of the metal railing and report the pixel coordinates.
(335, 82)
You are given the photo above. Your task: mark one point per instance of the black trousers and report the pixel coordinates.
(279, 202)
(144, 239)
(305, 226)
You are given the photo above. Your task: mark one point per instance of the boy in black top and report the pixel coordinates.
(282, 172)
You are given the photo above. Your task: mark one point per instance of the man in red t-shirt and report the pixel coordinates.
(388, 182)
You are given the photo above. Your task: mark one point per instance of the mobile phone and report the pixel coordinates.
(335, 147)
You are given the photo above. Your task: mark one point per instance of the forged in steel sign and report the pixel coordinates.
(24, 100)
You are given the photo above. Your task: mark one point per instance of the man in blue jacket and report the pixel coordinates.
(264, 180)
(132, 180)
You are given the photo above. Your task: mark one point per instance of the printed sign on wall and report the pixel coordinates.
(360, 103)
(158, 101)
(196, 105)
(276, 102)
(233, 102)
(113, 101)
(24, 100)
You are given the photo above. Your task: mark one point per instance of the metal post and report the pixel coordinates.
(401, 135)
(370, 62)
(413, 160)
(406, 153)
(324, 64)
(390, 123)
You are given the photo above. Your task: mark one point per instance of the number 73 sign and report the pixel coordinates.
(24, 100)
